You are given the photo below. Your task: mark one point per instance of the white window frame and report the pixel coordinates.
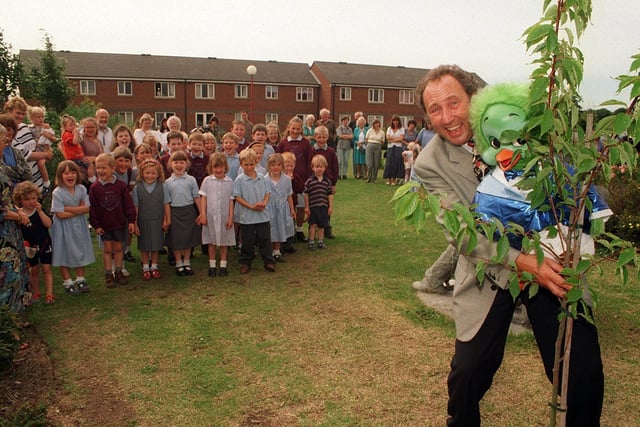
(405, 119)
(375, 96)
(125, 88)
(271, 92)
(88, 87)
(271, 117)
(164, 89)
(405, 97)
(241, 91)
(161, 115)
(203, 118)
(372, 117)
(345, 93)
(304, 94)
(205, 91)
(125, 117)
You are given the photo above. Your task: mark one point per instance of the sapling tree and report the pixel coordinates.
(564, 163)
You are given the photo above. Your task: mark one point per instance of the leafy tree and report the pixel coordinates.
(559, 143)
(46, 81)
(11, 70)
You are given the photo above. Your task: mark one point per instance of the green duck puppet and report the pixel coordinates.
(498, 114)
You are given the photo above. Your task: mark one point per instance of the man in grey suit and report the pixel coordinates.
(483, 312)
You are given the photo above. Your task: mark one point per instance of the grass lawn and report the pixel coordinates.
(333, 338)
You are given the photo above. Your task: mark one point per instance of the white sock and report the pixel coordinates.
(212, 263)
(47, 183)
(223, 263)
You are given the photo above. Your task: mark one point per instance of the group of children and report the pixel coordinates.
(220, 199)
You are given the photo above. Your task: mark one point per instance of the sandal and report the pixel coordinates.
(50, 299)
(146, 275)
(35, 298)
(155, 274)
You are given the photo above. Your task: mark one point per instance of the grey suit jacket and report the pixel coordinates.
(447, 171)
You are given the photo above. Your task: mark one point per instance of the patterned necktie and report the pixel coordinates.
(480, 168)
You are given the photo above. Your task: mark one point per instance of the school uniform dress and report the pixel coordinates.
(218, 193)
(71, 239)
(278, 208)
(150, 200)
(184, 233)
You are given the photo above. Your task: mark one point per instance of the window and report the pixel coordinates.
(125, 88)
(405, 120)
(304, 94)
(205, 91)
(125, 117)
(87, 87)
(271, 117)
(241, 91)
(271, 92)
(376, 96)
(165, 90)
(204, 118)
(160, 115)
(372, 117)
(406, 97)
(345, 94)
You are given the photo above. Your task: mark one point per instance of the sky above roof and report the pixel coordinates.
(483, 36)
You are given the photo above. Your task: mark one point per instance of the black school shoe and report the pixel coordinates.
(213, 272)
(222, 272)
(300, 237)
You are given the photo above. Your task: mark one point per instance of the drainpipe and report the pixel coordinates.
(185, 106)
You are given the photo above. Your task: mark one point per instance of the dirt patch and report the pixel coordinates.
(32, 381)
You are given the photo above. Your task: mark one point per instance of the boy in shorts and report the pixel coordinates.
(318, 201)
(111, 214)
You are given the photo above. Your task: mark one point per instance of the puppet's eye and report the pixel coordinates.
(519, 143)
(495, 143)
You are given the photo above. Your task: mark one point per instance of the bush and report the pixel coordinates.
(9, 338)
(624, 200)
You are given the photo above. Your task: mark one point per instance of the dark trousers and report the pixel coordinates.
(475, 362)
(252, 235)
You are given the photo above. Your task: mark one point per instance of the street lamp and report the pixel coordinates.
(251, 70)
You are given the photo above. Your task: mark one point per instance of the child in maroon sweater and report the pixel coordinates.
(111, 214)
(198, 160)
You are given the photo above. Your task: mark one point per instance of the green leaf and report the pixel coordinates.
(547, 121)
(481, 268)
(621, 123)
(597, 227)
(587, 165)
(574, 294)
(503, 248)
(533, 290)
(583, 265)
(626, 256)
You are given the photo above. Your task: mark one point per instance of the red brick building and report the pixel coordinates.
(196, 89)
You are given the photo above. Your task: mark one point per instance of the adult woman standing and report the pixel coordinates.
(23, 140)
(145, 122)
(394, 166)
(410, 133)
(88, 139)
(373, 152)
(14, 274)
(345, 140)
(359, 160)
(309, 128)
(17, 168)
